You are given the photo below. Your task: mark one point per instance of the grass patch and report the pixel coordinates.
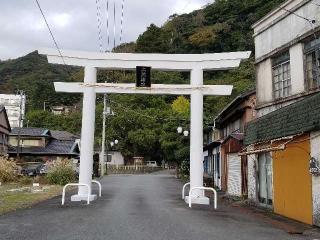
(25, 197)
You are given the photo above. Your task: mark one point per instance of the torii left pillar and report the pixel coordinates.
(87, 135)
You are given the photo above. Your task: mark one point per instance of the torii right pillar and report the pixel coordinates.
(196, 139)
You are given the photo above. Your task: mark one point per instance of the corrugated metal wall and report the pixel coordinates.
(234, 174)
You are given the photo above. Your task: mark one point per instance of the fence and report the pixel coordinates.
(136, 169)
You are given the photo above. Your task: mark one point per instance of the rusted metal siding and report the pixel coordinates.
(244, 176)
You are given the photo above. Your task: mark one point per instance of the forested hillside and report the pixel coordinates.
(146, 125)
(33, 74)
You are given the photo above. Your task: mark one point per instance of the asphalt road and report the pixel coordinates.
(144, 207)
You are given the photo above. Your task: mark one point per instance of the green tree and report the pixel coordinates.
(154, 40)
(182, 106)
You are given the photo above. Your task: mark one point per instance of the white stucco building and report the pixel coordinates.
(286, 49)
(115, 158)
(12, 104)
(281, 142)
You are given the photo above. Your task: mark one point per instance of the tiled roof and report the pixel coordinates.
(237, 136)
(212, 145)
(33, 132)
(297, 118)
(55, 147)
(63, 135)
(232, 107)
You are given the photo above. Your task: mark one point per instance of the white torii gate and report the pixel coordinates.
(194, 63)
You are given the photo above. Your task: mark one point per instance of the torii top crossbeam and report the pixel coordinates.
(173, 62)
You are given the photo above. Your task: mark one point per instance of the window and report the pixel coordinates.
(109, 158)
(265, 176)
(312, 64)
(236, 126)
(217, 158)
(210, 161)
(205, 165)
(281, 76)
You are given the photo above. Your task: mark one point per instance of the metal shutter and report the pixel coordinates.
(234, 174)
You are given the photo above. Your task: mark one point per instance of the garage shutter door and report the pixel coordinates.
(234, 174)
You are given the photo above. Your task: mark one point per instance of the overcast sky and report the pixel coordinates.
(74, 22)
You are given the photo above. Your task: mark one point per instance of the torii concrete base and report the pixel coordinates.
(198, 200)
(79, 198)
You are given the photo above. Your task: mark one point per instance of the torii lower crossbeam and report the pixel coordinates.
(196, 64)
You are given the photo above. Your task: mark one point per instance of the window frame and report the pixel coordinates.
(311, 47)
(285, 84)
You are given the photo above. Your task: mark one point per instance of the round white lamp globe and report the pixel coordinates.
(186, 133)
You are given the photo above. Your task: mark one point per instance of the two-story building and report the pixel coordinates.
(211, 157)
(283, 144)
(4, 131)
(222, 162)
(40, 144)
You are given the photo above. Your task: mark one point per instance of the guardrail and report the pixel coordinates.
(75, 184)
(183, 189)
(100, 188)
(204, 188)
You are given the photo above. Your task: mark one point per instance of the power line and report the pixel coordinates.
(122, 17)
(114, 24)
(108, 33)
(311, 21)
(51, 33)
(99, 24)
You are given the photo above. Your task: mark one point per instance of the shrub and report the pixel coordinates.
(25, 180)
(8, 170)
(184, 169)
(61, 172)
(43, 180)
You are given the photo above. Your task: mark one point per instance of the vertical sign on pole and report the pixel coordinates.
(143, 76)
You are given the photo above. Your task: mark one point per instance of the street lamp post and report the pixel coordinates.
(104, 147)
(185, 134)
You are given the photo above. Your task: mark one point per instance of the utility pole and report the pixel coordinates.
(21, 94)
(107, 145)
(103, 142)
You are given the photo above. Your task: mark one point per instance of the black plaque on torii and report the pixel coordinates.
(143, 76)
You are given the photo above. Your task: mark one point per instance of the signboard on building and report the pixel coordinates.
(314, 167)
(143, 76)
